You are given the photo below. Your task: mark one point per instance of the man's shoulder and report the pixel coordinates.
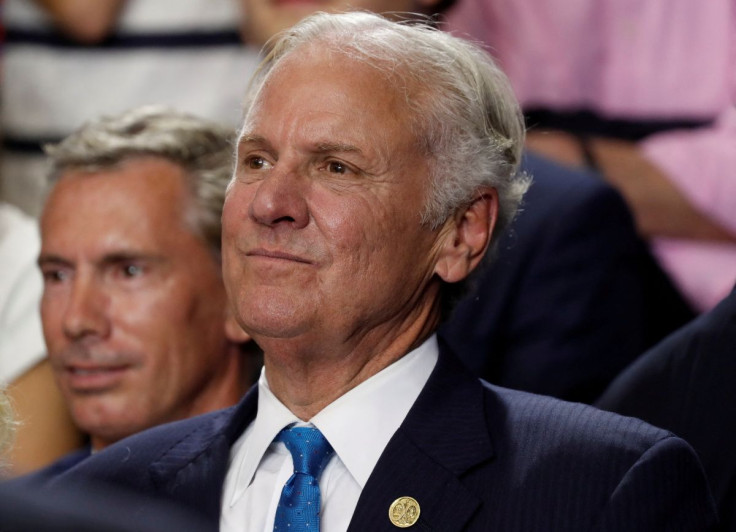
(184, 461)
(617, 469)
(525, 428)
(129, 458)
(58, 467)
(533, 462)
(92, 507)
(544, 426)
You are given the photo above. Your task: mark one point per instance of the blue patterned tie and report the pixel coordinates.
(299, 506)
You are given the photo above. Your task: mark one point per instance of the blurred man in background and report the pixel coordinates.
(134, 310)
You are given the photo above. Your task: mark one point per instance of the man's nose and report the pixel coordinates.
(280, 200)
(86, 311)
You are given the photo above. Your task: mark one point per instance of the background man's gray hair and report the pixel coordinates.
(463, 110)
(201, 148)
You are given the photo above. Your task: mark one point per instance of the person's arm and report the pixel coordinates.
(86, 21)
(660, 207)
(45, 429)
(701, 164)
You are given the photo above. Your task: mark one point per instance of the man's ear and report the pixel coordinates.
(233, 331)
(467, 236)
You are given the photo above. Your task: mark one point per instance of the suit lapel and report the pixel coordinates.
(193, 470)
(443, 436)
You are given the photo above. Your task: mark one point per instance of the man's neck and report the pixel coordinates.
(306, 376)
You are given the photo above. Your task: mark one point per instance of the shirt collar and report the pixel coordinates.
(271, 417)
(358, 425)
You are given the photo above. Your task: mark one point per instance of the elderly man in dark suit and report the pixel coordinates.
(376, 162)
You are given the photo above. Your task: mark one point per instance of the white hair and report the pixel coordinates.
(203, 149)
(463, 111)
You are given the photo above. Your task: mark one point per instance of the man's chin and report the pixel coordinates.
(276, 318)
(264, 332)
(106, 424)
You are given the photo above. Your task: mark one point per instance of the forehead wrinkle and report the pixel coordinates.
(329, 131)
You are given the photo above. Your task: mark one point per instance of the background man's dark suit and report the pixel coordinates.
(687, 384)
(573, 297)
(91, 508)
(475, 457)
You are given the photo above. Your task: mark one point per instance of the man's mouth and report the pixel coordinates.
(89, 379)
(276, 255)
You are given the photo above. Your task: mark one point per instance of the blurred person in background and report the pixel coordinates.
(134, 310)
(69, 61)
(91, 507)
(45, 430)
(262, 19)
(643, 93)
(7, 429)
(685, 384)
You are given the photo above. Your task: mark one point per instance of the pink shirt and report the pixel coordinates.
(634, 59)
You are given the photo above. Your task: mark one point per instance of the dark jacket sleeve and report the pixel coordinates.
(659, 492)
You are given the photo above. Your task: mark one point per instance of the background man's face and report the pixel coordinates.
(321, 226)
(133, 305)
(265, 18)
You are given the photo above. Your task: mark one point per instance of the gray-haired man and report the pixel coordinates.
(134, 310)
(376, 162)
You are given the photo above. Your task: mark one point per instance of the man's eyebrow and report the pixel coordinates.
(252, 139)
(50, 258)
(125, 256)
(339, 147)
(109, 258)
(322, 147)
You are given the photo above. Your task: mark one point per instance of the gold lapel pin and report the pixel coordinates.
(404, 512)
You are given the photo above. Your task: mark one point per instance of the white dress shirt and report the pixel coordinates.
(358, 425)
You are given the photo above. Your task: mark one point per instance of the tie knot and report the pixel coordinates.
(309, 449)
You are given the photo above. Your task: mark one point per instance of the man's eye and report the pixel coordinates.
(55, 276)
(336, 167)
(132, 270)
(255, 163)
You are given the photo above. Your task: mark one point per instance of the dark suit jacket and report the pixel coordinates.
(687, 384)
(573, 297)
(475, 457)
(64, 463)
(90, 508)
